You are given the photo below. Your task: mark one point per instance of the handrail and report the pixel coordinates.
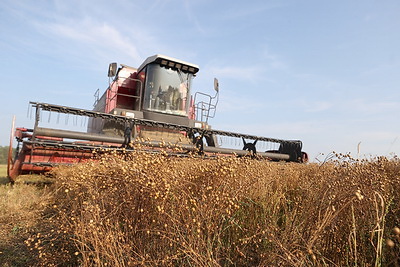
(96, 97)
(204, 108)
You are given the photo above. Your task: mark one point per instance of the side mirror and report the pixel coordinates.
(216, 85)
(112, 69)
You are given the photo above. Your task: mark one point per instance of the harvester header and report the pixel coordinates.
(151, 106)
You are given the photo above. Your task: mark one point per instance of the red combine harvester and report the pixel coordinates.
(152, 106)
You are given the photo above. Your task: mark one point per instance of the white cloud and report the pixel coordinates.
(90, 36)
(385, 69)
(273, 61)
(237, 73)
(192, 17)
(379, 135)
(83, 32)
(239, 104)
(248, 9)
(372, 107)
(256, 73)
(317, 106)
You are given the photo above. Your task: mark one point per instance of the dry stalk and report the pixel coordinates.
(353, 237)
(379, 228)
(148, 210)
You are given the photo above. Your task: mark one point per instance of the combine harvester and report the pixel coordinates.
(151, 106)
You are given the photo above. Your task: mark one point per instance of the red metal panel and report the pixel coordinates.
(40, 159)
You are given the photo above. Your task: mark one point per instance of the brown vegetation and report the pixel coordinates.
(3, 174)
(21, 215)
(153, 210)
(4, 154)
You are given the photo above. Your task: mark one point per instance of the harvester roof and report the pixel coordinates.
(171, 63)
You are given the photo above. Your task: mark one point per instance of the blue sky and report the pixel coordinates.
(324, 72)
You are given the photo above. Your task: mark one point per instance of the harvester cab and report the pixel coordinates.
(159, 90)
(151, 106)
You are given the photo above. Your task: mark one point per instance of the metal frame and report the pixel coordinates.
(44, 147)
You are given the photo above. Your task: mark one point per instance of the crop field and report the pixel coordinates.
(154, 210)
(3, 173)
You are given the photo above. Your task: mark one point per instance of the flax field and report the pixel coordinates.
(147, 209)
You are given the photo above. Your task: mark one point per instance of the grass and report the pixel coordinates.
(3, 174)
(149, 210)
(21, 210)
(25, 179)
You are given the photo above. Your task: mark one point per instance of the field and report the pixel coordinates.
(153, 210)
(20, 214)
(3, 174)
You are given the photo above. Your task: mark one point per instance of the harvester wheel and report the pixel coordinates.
(304, 157)
(199, 144)
(251, 147)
